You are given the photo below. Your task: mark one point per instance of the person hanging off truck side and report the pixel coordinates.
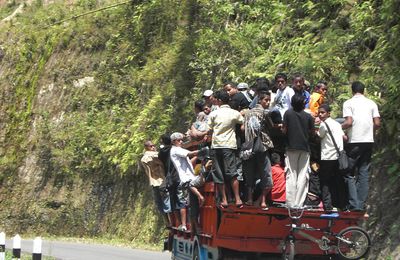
(244, 132)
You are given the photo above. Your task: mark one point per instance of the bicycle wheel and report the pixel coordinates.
(288, 250)
(353, 243)
(196, 252)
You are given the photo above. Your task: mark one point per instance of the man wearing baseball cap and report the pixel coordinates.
(244, 88)
(209, 98)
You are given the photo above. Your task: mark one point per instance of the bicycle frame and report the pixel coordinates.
(354, 239)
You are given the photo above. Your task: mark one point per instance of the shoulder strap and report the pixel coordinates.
(333, 139)
(246, 95)
(169, 162)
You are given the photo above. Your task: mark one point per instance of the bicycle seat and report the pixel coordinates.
(330, 215)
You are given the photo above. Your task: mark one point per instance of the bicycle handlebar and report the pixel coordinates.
(296, 212)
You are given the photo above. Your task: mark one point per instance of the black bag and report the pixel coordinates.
(246, 151)
(172, 176)
(252, 147)
(258, 146)
(343, 158)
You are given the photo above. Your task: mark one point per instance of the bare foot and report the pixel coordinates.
(264, 206)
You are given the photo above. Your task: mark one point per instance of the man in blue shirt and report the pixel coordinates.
(298, 87)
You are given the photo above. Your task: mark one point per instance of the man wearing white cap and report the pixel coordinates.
(210, 100)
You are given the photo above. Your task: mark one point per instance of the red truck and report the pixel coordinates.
(278, 233)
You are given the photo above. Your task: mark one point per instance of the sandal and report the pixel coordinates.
(239, 206)
(182, 228)
(264, 207)
(222, 206)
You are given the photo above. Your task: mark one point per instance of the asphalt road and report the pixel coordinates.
(80, 251)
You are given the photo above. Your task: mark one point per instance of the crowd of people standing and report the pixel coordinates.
(268, 143)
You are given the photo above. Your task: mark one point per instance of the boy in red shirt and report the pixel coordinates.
(278, 193)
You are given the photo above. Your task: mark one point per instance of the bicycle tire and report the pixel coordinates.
(289, 250)
(357, 245)
(196, 252)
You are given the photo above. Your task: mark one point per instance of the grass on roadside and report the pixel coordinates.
(110, 241)
(26, 256)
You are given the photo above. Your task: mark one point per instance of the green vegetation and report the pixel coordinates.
(8, 9)
(79, 98)
(24, 256)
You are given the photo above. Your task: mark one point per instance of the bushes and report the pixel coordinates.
(151, 59)
(141, 54)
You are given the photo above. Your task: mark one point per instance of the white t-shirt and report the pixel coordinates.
(283, 99)
(328, 150)
(272, 103)
(182, 163)
(362, 110)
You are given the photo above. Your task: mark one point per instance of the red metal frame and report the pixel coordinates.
(251, 229)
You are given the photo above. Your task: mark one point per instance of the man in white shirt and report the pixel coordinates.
(332, 184)
(361, 119)
(283, 95)
(184, 167)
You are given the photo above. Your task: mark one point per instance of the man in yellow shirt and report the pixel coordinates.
(222, 124)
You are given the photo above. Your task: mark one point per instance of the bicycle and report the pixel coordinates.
(351, 243)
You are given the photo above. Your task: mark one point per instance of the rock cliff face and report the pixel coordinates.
(78, 98)
(384, 220)
(39, 198)
(50, 183)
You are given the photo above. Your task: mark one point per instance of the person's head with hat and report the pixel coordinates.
(207, 93)
(177, 139)
(246, 90)
(208, 96)
(242, 86)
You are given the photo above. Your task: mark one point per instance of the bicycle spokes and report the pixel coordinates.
(353, 243)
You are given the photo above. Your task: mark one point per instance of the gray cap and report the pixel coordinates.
(242, 86)
(176, 136)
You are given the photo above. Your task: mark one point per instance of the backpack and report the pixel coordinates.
(252, 147)
(171, 174)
